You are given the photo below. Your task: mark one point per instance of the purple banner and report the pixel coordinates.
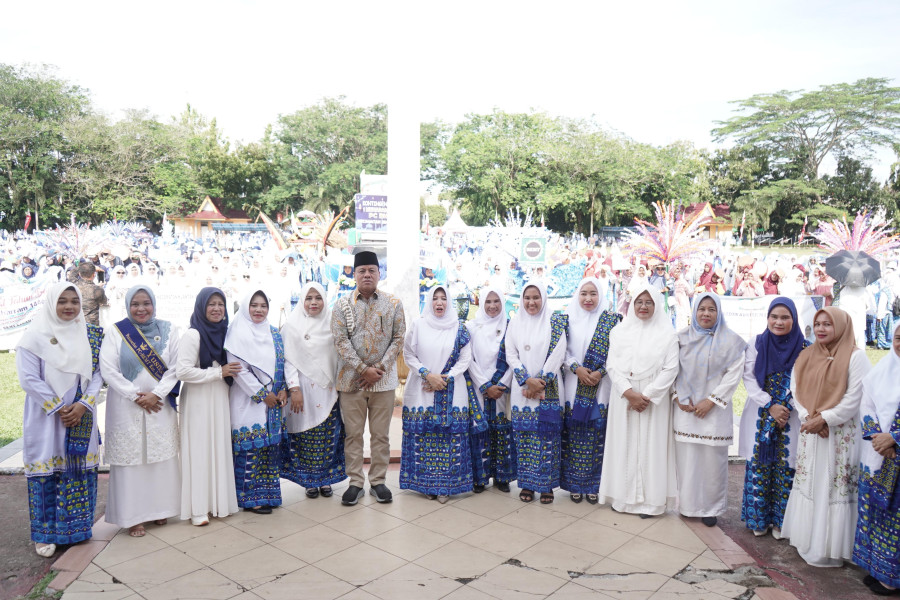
(371, 213)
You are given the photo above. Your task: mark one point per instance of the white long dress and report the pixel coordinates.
(821, 513)
(207, 467)
(141, 448)
(639, 459)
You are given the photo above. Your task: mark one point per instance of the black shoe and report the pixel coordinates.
(868, 580)
(503, 486)
(879, 590)
(709, 521)
(576, 498)
(645, 516)
(381, 492)
(260, 510)
(477, 488)
(326, 491)
(352, 495)
(312, 492)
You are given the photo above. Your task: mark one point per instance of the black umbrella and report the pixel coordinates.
(853, 267)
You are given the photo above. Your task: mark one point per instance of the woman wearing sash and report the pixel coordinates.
(587, 392)
(436, 459)
(313, 448)
(820, 518)
(493, 451)
(639, 459)
(257, 401)
(57, 361)
(769, 424)
(711, 361)
(535, 350)
(876, 548)
(141, 423)
(207, 465)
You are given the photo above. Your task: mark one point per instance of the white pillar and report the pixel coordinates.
(403, 200)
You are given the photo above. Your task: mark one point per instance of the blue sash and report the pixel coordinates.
(145, 353)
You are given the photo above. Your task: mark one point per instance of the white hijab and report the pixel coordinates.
(582, 323)
(881, 385)
(448, 320)
(637, 348)
(487, 332)
(252, 342)
(533, 330)
(63, 345)
(308, 343)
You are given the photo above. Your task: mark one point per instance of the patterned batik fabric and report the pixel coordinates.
(436, 462)
(61, 507)
(768, 478)
(876, 547)
(493, 451)
(582, 454)
(315, 457)
(538, 455)
(268, 433)
(256, 474)
(884, 329)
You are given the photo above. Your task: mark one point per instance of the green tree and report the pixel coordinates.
(805, 127)
(34, 107)
(319, 152)
(854, 188)
(757, 206)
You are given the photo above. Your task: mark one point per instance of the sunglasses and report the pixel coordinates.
(246, 277)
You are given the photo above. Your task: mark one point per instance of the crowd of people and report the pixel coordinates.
(606, 400)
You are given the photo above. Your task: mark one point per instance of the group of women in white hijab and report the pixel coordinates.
(241, 405)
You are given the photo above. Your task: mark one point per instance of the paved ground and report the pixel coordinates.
(478, 546)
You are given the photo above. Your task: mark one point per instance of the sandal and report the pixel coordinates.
(592, 498)
(576, 498)
(443, 498)
(326, 491)
(45, 550)
(312, 493)
(477, 488)
(160, 522)
(526, 495)
(503, 486)
(431, 496)
(137, 531)
(547, 498)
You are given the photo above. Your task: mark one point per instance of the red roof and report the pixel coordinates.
(721, 211)
(222, 213)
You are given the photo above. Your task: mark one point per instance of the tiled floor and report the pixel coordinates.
(478, 546)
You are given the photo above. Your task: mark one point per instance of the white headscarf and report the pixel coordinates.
(308, 343)
(881, 385)
(448, 320)
(638, 348)
(533, 330)
(487, 332)
(252, 342)
(63, 345)
(582, 323)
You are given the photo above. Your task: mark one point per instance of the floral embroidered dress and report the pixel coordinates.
(435, 456)
(256, 429)
(60, 462)
(536, 347)
(876, 547)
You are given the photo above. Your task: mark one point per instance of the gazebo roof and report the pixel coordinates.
(212, 209)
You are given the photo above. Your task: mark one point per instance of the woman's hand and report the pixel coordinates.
(534, 388)
(149, 402)
(71, 415)
(780, 414)
(816, 425)
(282, 397)
(271, 400)
(586, 377)
(703, 407)
(688, 408)
(296, 400)
(231, 369)
(636, 402)
(435, 382)
(494, 392)
(885, 445)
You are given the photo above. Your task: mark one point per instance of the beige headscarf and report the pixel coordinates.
(821, 370)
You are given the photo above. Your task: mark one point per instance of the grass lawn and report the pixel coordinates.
(12, 400)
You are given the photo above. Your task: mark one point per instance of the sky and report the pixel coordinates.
(656, 71)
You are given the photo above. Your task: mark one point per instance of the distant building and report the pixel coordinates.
(719, 223)
(213, 216)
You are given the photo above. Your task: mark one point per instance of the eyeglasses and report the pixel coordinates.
(643, 302)
(246, 277)
(215, 268)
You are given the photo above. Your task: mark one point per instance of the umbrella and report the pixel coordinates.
(853, 268)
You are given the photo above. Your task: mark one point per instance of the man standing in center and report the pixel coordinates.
(368, 326)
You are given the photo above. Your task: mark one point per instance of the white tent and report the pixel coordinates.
(454, 223)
